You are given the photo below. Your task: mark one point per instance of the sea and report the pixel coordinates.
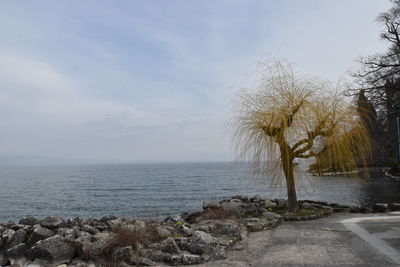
(155, 191)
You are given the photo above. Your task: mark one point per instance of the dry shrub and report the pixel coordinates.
(128, 236)
(216, 214)
(151, 234)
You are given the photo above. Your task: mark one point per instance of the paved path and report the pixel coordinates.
(338, 240)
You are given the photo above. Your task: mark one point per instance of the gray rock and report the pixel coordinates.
(209, 204)
(107, 218)
(232, 204)
(258, 224)
(395, 206)
(220, 227)
(124, 254)
(56, 249)
(169, 245)
(256, 199)
(237, 247)
(114, 224)
(271, 215)
(141, 261)
(380, 207)
(174, 220)
(17, 251)
(280, 203)
(225, 241)
(14, 239)
(162, 232)
(355, 209)
(269, 204)
(365, 210)
(237, 206)
(28, 221)
(175, 260)
(189, 259)
(72, 222)
(17, 227)
(145, 262)
(307, 205)
(101, 245)
(38, 234)
(183, 243)
(90, 229)
(218, 253)
(201, 242)
(84, 238)
(52, 222)
(7, 234)
(4, 261)
(67, 233)
(2, 229)
(88, 221)
(80, 263)
(159, 256)
(184, 230)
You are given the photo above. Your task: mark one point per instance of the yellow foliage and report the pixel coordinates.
(291, 117)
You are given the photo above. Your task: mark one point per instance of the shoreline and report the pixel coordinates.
(191, 238)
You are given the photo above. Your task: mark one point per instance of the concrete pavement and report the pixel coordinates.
(338, 240)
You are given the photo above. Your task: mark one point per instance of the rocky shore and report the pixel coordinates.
(190, 238)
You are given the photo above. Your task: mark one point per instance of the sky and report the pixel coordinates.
(152, 81)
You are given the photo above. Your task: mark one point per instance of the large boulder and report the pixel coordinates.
(280, 202)
(4, 261)
(220, 227)
(38, 234)
(189, 259)
(380, 207)
(67, 233)
(52, 222)
(16, 252)
(268, 203)
(162, 232)
(84, 238)
(124, 254)
(169, 245)
(56, 249)
(184, 230)
(237, 206)
(159, 256)
(395, 206)
(202, 242)
(28, 221)
(101, 244)
(14, 238)
(6, 235)
(90, 229)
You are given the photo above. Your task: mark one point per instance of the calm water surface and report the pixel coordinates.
(158, 190)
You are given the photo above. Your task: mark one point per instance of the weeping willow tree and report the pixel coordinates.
(290, 117)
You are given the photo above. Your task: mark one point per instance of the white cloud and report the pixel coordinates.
(46, 112)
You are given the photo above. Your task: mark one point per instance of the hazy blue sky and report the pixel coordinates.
(110, 81)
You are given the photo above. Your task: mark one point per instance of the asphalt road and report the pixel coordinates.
(338, 240)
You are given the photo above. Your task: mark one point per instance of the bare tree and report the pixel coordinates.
(380, 73)
(291, 117)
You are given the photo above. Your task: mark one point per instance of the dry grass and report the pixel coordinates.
(216, 214)
(125, 235)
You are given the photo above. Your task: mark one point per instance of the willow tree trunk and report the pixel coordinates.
(287, 164)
